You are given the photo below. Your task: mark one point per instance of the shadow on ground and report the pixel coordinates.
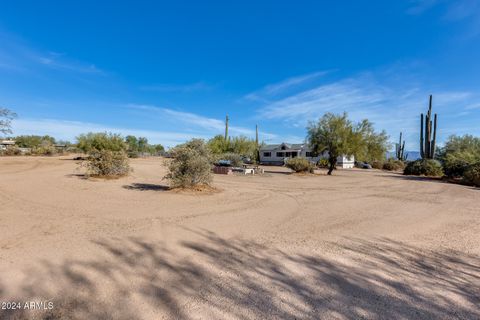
(219, 278)
(146, 187)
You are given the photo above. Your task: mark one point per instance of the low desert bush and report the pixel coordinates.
(472, 174)
(377, 164)
(107, 164)
(47, 150)
(191, 165)
(393, 165)
(322, 163)
(455, 165)
(300, 165)
(424, 167)
(11, 152)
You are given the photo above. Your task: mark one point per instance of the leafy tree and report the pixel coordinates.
(142, 144)
(92, 142)
(132, 143)
(371, 146)
(459, 153)
(339, 136)
(33, 141)
(240, 145)
(218, 145)
(6, 117)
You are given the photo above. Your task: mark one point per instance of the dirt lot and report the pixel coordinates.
(359, 244)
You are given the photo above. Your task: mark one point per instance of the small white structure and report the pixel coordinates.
(5, 144)
(276, 154)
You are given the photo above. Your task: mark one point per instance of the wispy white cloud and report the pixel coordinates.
(68, 130)
(395, 107)
(17, 55)
(420, 6)
(284, 86)
(211, 126)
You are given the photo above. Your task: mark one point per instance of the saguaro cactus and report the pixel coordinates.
(428, 136)
(400, 149)
(226, 128)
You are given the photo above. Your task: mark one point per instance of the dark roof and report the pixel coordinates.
(269, 147)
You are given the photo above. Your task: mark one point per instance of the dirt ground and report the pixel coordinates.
(356, 245)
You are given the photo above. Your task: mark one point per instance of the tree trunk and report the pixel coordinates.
(332, 161)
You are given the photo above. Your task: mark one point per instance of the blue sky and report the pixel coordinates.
(171, 70)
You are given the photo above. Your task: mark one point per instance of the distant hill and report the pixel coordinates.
(411, 155)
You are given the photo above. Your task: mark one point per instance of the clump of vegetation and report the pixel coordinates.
(11, 152)
(191, 166)
(424, 167)
(92, 142)
(300, 165)
(339, 136)
(472, 174)
(234, 159)
(393, 165)
(6, 117)
(377, 164)
(107, 154)
(458, 154)
(140, 146)
(322, 163)
(108, 164)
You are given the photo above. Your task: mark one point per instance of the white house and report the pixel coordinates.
(277, 153)
(5, 144)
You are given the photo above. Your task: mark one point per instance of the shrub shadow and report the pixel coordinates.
(146, 187)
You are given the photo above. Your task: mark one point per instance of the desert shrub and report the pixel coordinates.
(234, 158)
(472, 174)
(456, 163)
(425, 167)
(299, 165)
(377, 164)
(191, 165)
(322, 163)
(393, 165)
(11, 152)
(107, 163)
(92, 142)
(46, 150)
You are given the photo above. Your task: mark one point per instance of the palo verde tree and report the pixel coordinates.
(338, 136)
(6, 117)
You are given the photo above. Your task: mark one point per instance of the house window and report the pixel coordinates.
(288, 154)
(280, 154)
(267, 154)
(308, 154)
(294, 154)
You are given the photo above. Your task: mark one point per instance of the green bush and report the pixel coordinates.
(47, 150)
(424, 167)
(455, 164)
(472, 174)
(92, 142)
(393, 165)
(108, 164)
(300, 165)
(323, 163)
(191, 165)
